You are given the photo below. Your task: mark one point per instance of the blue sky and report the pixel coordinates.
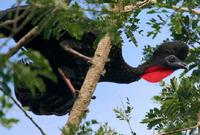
(109, 95)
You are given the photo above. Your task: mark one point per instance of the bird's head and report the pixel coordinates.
(167, 58)
(174, 63)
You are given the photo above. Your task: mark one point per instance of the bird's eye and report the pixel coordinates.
(172, 59)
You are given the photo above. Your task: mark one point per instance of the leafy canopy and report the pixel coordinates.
(179, 100)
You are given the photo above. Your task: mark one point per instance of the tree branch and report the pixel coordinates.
(24, 40)
(185, 9)
(178, 130)
(185, 129)
(130, 8)
(16, 19)
(90, 82)
(25, 113)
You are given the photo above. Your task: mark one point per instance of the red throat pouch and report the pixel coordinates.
(156, 73)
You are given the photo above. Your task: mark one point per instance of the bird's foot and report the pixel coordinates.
(103, 72)
(76, 93)
(93, 97)
(89, 62)
(108, 60)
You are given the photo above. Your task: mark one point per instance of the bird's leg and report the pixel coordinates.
(65, 46)
(68, 82)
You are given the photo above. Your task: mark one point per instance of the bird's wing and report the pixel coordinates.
(57, 99)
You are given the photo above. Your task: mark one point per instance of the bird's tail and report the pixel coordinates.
(45, 103)
(55, 100)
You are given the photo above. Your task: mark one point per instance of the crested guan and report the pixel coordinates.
(71, 70)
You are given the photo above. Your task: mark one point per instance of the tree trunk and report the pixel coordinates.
(89, 84)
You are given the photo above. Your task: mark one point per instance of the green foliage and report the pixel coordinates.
(188, 30)
(103, 129)
(106, 130)
(156, 25)
(122, 113)
(22, 75)
(93, 127)
(147, 52)
(125, 113)
(32, 72)
(86, 128)
(71, 19)
(101, 1)
(179, 105)
(70, 129)
(193, 61)
(5, 106)
(131, 26)
(179, 99)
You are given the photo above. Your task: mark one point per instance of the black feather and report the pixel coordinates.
(58, 99)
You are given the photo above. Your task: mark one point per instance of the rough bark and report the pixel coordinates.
(198, 122)
(90, 82)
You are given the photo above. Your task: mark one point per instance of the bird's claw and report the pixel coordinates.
(103, 72)
(93, 97)
(76, 93)
(90, 62)
(108, 60)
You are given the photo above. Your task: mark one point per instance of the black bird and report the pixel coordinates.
(71, 70)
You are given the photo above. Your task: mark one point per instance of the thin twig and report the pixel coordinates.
(185, 9)
(179, 130)
(66, 47)
(16, 15)
(25, 113)
(130, 8)
(6, 23)
(179, 8)
(127, 119)
(16, 19)
(190, 35)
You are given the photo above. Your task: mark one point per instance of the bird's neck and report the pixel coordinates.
(130, 74)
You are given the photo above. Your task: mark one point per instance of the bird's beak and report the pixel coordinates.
(182, 65)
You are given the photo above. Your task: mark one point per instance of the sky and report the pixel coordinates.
(109, 95)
